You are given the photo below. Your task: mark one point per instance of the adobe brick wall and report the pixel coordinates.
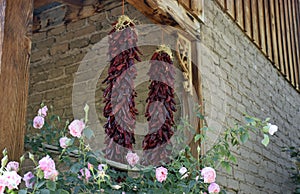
(237, 78)
(57, 54)
(241, 80)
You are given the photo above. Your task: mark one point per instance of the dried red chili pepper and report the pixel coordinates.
(160, 108)
(119, 94)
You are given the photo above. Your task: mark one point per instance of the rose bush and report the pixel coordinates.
(81, 171)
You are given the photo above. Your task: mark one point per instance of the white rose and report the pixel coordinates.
(272, 128)
(116, 187)
(182, 170)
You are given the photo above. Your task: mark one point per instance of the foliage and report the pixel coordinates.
(295, 155)
(84, 172)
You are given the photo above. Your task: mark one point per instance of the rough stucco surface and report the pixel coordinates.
(237, 78)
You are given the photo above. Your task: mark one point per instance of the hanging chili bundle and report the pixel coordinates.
(160, 108)
(119, 94)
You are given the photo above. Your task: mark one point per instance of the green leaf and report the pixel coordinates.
(45, 191)
(88, 133)
(61, 191)
(249, 119)
(40, 184)
(232, 158)
(192, 183)
(75, 168)
(51, 185)
(222, 192)
(226, 165)
(204, 128)
(200, 116)
(40, 173)
(266, 140)
(23, 191)
(244, 137)
(266, 129)
(197, 137)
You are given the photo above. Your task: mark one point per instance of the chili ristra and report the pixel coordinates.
(160, 107)
(119, 94)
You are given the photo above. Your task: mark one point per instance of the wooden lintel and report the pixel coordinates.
(41, 3)
(16, 21)
(78, 3)
(168, 12)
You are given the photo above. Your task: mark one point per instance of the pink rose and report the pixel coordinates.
(28, 180)
(209, 174)
(47, 164)
(132, 158)
(12, 179)
(213, 188)
(64, 142)
(161, 174)
(51, 175)
(76, 128)
(2, 188)
(85, 173)
(43, 111)
(38, 122)
(90, 166)
(101, 167)
(2, 184)
(12, 166)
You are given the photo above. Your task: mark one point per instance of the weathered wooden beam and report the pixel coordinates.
(67, 11)
(78, 3)
(41, 3)
(168, 12)
(16, 48)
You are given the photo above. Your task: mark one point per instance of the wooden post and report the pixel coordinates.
(197, 83)
(15, 21)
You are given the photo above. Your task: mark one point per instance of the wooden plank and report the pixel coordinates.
(168, 12)
(197, 84)
(255, 24)
(274, 34)
(297, 40)
(279, 36)
(293, 46)
(283, 39)
(240, 13)
(288, 40)
(41, 3)
(268, 30)
(185, 3)
(222, 3)
(230, 8)
(78, 3)
(197, 8)
(248, 18)
(262, 26)
(2, 19)
(15, 75)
